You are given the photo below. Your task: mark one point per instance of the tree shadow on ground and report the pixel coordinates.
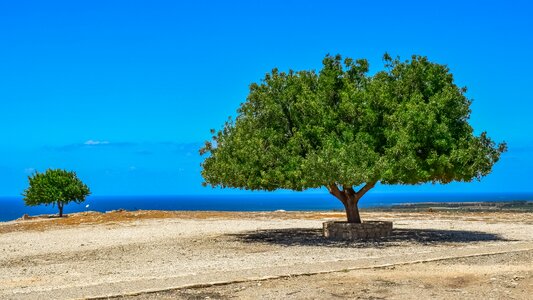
(314, 237)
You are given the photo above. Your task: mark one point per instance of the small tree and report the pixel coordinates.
(55, 187)
(342, 128)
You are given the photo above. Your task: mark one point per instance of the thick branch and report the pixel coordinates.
(334, 190)
(365, 189)
(350, 191)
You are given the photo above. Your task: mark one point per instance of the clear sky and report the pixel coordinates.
(125, 92)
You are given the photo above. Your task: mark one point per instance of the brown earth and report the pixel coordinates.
(498, 276)
(430, 255)
(45, 222)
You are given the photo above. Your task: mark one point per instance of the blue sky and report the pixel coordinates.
(124, 92)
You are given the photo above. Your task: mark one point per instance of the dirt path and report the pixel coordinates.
(124, 254)
(498, 276)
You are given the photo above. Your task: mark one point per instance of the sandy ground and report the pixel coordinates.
(435, 255)
(499, 276)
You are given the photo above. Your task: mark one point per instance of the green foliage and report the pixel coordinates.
(407, 124)
(55, 187)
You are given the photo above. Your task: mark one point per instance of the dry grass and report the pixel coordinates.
(42, 223)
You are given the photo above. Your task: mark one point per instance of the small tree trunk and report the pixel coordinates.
(60, 206)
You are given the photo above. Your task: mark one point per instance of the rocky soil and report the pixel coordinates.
(498, 276)
(142, 253)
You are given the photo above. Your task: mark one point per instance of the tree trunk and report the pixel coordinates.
(350, 199)
(60, 206)
(352, 210)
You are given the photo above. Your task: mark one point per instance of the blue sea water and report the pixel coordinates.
(13, 207)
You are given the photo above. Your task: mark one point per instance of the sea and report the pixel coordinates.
(13, 207)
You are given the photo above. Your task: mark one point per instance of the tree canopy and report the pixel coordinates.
(341, 127)
(55, 187)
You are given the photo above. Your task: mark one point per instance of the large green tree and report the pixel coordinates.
(56, 187)
(346, 130)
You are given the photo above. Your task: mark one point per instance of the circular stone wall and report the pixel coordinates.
(355, 231)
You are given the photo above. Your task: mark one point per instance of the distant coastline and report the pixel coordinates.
(513, 205)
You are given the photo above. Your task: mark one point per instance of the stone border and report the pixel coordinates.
(356, 231)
